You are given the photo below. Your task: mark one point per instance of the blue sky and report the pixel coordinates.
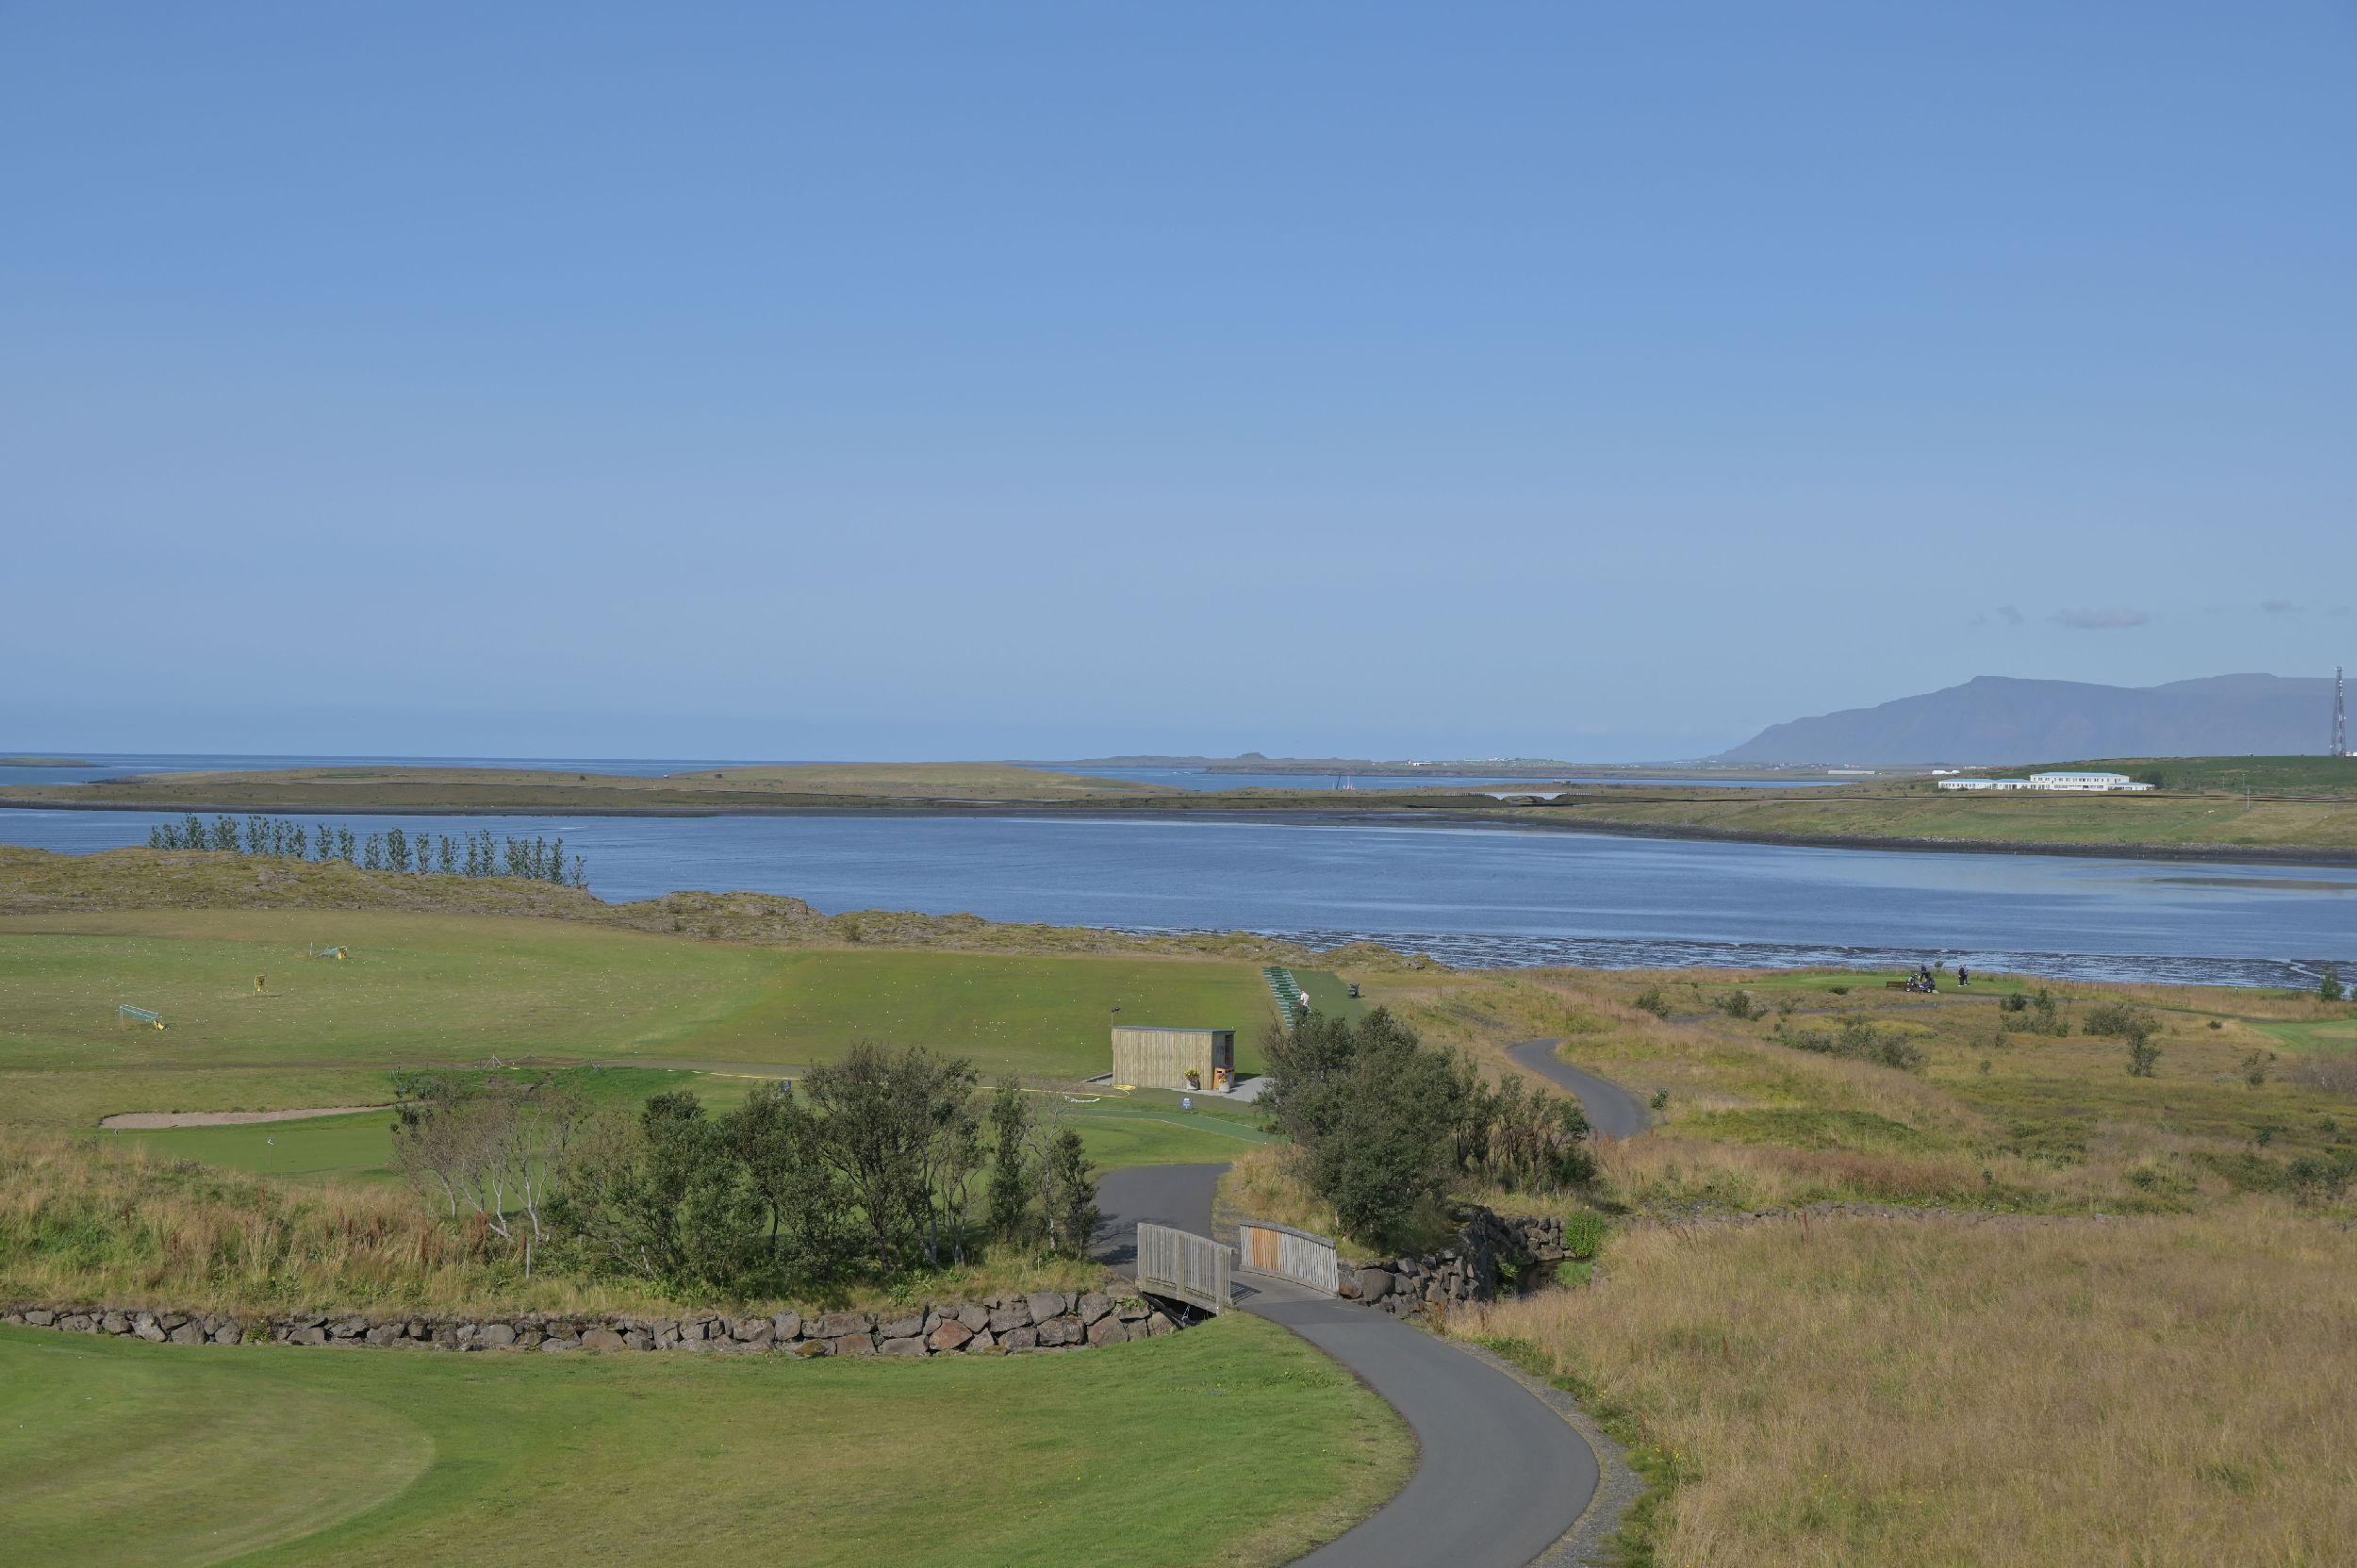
(1017, 380)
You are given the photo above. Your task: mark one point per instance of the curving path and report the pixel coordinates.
(1612, 1111)
(1500, 1477)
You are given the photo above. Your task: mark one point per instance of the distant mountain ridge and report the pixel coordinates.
(1995, 719)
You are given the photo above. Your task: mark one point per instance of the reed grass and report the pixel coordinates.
(1933, 1390)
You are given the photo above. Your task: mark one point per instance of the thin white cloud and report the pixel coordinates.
(2099, 620)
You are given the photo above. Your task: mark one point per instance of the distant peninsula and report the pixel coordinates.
(44, 761)
(2302, 809)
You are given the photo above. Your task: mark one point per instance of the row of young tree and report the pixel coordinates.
(1384, 1123)
(885, 1163)
(473, 854)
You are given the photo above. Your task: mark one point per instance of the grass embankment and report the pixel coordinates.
(40, 882)
(2156, 1391)
(1234, 1442)
(395, 788)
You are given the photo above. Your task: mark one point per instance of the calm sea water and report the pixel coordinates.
(1467, 895)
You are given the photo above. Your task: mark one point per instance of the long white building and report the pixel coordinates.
(2061, 780)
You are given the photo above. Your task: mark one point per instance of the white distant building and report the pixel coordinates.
(2065, 780)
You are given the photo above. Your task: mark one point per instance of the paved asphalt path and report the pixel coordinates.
(1612, 1111)
(1500, 1477)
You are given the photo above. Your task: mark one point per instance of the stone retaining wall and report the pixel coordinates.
(1472, 1270)
(1004, 1324)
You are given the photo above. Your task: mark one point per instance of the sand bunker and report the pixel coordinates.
(149, 1120)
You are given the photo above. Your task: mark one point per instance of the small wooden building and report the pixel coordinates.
(1161, 1058)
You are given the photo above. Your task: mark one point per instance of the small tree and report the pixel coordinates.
(497, 1151)
(2329, 987)
(1377, 1115)
(1011, 1183)
(1068, 1196)
(895, 1127)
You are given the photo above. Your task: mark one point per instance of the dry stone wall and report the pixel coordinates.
(1471, 1270)
(1002, 1325)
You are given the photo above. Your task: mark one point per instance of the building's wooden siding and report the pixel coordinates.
(1158, 1058)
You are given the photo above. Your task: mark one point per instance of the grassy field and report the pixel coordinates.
(1990, 1118)
(485, 789)
(2161, 820)
(423, 989)
(1934, 1392)
(1234, 1442)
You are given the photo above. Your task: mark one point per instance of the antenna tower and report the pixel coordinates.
(2340, 713)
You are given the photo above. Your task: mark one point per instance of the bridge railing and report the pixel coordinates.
(1182, 1266)
(1304, 1257)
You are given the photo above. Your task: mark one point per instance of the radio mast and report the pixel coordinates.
(2340, 713)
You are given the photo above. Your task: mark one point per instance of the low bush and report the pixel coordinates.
(2036, 1014)
(1860, 1039)
(1583, 1234)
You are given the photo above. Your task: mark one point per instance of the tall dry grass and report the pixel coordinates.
(85, 1222)
(1941, 1391)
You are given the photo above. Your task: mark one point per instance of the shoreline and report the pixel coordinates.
(1318, 815)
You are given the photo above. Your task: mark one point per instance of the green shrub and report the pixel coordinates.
(1583, 1234)
(1651, 1000)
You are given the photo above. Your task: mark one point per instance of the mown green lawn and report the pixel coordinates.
(360, 1146)
(423, 989)
(1230, 1443)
